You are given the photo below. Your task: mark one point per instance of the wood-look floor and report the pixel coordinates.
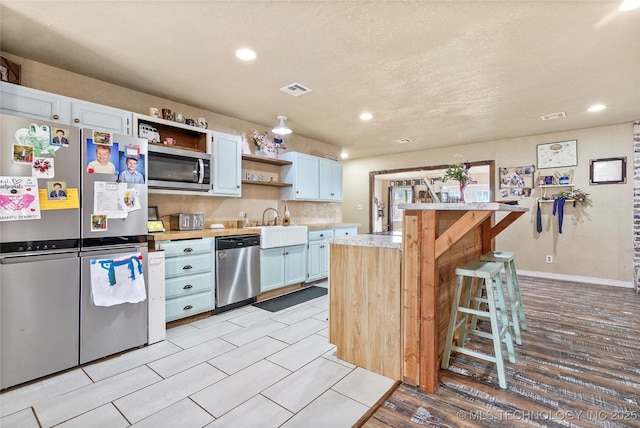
(578, 366)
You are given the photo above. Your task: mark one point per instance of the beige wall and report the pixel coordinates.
(596, 242)
(255, 199)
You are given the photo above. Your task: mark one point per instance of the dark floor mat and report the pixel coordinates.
(279, 303)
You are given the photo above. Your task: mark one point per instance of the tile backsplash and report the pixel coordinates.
(226, 210)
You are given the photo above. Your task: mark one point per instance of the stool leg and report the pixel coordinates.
(513, 303)
(516, 288)
(452, 324)
(495, 332)
(478, 303)
(505, 319)
(466, 301)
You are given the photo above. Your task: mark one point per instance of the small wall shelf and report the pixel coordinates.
(267, 183)
(264, 159)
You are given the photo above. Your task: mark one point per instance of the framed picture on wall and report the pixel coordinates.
(557, 155)
(608, 171)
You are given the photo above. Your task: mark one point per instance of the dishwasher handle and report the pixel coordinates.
(229, 243)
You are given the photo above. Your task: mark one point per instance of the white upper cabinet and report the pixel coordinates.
(303, 175)
(330, 180)
(96, 116)
(227, 164)
(27, 102)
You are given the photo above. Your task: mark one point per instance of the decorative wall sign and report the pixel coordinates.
(9, 71)
(608, 171)
(560, 154)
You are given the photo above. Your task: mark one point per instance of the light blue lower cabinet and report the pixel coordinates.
(318, 255)
(282, 266)
(189, 277)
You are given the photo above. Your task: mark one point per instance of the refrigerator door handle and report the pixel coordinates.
(200, 171)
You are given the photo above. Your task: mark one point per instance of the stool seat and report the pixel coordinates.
(518, 321)
(498, 256)
(486, 276)
(479, 269)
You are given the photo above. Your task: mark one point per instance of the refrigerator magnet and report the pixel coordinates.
(98, 223)
(43, 168)
(103, 138)
(19, 198)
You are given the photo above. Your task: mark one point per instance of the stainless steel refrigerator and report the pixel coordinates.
(39, 263)
(48, 321)
(105, 330)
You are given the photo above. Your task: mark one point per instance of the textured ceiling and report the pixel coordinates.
(437, 72)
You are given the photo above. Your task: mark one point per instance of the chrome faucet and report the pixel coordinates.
(275, 216)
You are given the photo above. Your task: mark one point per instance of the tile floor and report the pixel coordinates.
(243, 368)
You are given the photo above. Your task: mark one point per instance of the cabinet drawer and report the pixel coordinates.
(346, 231)
(315, 235)
(189, 284)
(183, 248)
(188, 265)
(189, 305)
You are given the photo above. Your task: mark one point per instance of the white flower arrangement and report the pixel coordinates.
(263, 142)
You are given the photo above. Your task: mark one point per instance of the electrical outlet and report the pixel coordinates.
(549, 258)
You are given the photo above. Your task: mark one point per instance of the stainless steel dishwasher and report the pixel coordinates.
(237, 270)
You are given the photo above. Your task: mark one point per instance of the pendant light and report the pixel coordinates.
(282, 129)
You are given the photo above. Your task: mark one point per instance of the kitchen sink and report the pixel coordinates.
(282, 236)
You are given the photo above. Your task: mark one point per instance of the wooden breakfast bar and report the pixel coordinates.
(389, 307)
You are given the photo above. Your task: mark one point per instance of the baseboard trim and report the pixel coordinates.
(577, 278)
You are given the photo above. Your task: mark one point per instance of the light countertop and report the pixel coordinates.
(380, 241)
(209, 233)
(464, 206)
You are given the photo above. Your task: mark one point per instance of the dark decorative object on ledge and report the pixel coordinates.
(9, 71)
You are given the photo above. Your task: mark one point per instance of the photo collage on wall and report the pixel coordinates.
(517, 181)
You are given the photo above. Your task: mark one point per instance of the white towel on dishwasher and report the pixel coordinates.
(117, 281)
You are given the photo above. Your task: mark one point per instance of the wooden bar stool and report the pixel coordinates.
(513, 288)
(487, 276)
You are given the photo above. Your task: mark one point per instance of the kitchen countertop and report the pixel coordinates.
(204, 233)
(380, 241)
(212, 233)
(318, 226)
(464, 206)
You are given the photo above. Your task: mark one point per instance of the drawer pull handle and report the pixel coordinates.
(188, 250)
(186, 308)
(187, 267)
(187, 287)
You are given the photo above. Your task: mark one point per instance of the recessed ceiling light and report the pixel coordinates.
(344, 155)
(629, 5)
(245, 54)
(366, 116)
(596, 107)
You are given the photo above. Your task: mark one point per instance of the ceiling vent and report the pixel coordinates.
(552, 116)
(295, 89)
(404, 141)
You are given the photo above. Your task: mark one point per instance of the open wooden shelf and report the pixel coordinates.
(264, 159)
(267, 183)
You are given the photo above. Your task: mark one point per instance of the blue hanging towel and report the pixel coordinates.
(539, 219)
(558, 205)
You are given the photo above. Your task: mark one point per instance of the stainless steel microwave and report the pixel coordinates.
(178, 169)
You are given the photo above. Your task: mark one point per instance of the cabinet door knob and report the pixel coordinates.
(76, 120)
(186, 308)
(187, 267)
(56, 117)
